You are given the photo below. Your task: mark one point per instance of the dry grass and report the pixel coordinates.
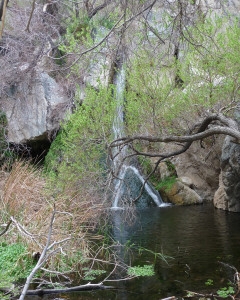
(23, 192)
(26, 200)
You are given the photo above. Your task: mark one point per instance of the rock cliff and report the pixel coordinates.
(34, 109)
(227, 196)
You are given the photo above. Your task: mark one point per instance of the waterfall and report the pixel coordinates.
(129, 182)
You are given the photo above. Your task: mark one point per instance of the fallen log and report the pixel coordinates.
(85, 287)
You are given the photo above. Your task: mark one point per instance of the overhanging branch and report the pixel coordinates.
(180, 139)
(213, 124)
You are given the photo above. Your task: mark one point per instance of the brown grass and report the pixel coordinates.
(26, 199)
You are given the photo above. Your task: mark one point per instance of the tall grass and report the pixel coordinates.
(29, 203)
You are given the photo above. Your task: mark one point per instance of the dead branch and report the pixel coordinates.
(6, 228)
(41, 260)
(85, 287)
(2, 8)
(95, 10)
(195, 294)
(30, 17)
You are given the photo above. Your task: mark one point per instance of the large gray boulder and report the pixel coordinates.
(34, 108)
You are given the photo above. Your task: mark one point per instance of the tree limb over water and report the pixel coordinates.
(213, 124)
(85, 287)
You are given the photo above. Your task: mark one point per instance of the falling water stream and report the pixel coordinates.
(130, 183)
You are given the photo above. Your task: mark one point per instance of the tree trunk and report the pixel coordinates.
(3, 8)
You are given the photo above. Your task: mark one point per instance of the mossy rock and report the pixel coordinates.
(180, 194)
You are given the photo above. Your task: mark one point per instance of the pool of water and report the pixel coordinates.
(196, 237)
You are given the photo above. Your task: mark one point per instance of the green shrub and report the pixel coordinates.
(226, 292)
(146, 270)
(167, 183)
(15, 263)
(77, 158)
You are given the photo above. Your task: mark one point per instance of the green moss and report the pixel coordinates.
(166, 184)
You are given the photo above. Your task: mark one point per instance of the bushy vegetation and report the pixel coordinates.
(77, 160)
(146, 270)
(208, 68)
(28, 204)
(15, 263)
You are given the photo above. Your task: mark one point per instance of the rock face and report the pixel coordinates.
(202, 165)
(33, 111)
(227, 196)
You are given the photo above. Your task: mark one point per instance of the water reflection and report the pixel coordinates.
(197, 237)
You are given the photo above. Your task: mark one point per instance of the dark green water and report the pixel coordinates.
(197, 237)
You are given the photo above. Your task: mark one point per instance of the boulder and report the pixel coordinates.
(34, 108)
(201, 165)
(180, 194)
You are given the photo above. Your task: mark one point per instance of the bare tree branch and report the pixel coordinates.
(30, 17)
(6, 228)
(94, 11)
(85, 287)
(228, 127)
(41, 260)
(3, 15)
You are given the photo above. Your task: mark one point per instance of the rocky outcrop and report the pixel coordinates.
(34, 108)
(197, 169)
(201, 163)
(227, 196)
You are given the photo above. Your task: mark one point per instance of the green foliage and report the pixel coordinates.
(90, 274)
(208, 66)
(209, 282)
(156, 255)
(170, 166)
(107, 21)
(148, 87)
(72, 261)
(78, 32)
(211, 69)
(226, 291)
(146, 270)
(6, 155)
(15, 263)
(167, 183)
(145, 164)
(77, 157)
